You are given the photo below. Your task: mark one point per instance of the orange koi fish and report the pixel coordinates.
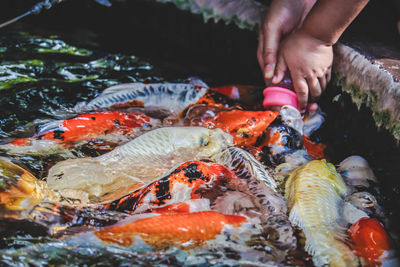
(245, 126)
(246, 94)
(171, 229)
(215, 99)
(177, 186)
(370, 240)
(87, 126)
(189, 206)
(315, 150)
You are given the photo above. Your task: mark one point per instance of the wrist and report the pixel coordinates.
(304, 32)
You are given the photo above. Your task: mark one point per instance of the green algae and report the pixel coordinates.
(383, 118)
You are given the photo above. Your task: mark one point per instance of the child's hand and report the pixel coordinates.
(309, 61)
(282, 18)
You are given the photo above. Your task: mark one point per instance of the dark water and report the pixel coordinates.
(41, 75)
(47, 66)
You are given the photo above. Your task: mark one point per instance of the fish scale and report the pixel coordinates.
(173, 96)
(137, 162)
(314, 192)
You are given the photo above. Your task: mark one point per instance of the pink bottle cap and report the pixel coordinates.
(279, 96)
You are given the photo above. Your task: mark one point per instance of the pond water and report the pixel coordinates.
(41, 73)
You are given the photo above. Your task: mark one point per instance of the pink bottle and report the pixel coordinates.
(280, 94)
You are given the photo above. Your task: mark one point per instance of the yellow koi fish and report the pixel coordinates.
(315, 194)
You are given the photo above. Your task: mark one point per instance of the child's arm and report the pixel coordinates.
(308, 54)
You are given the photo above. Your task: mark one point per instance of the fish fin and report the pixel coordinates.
(313, 121)
(245, 165)
(78, 108)
(352, 214)
(122, 87)
(295, 217)
(196, 81)
(326, 245)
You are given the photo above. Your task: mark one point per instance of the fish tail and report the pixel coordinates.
(324, 244)
(327, 249)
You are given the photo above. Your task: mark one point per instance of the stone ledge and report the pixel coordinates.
(372, 81)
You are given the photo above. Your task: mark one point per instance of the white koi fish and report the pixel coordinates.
(173, 97)
(137, 162)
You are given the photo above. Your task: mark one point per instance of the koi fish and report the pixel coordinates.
(110, 125)
(370, 240)
(225, 192)
(214, 99)
(366, 202)
(246, 94)
(283, 138)
(245, 166)
(169, 230)
(356, 171)
(178, 185)
(315, 150)
(312, 121)
(24, 197)
(314, 192)
(172, 97)
(246, 127)
(137, 162)
(20, 189)
(261, 184)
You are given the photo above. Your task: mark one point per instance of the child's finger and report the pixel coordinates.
(301, 88)
(315, 88)
(322, 82)
(260, 49)
(328, 75)
(280, 70)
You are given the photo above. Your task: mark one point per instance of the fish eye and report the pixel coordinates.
(205, 141)
(331, 166)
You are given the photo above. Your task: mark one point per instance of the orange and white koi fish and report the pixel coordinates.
(176, 186)
(169, 230)
(369, 241)
(241, 192)
(110, 125)
(137, 162)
